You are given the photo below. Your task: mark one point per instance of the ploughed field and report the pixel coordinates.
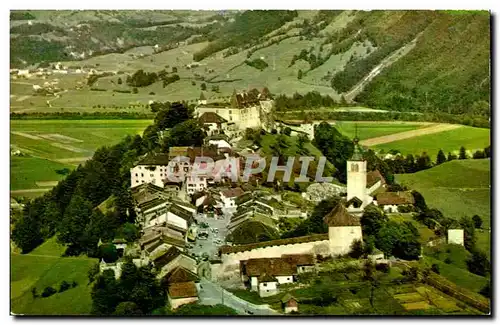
(48, 147)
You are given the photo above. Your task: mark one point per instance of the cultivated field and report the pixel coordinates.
(457, 188)
(449, 140)
(44, 267)
(52, 145)
(370, 130)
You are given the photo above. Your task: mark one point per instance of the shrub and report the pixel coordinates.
(435, 268)
(34, 293)
(274, 131)
(448, 260)
(64, 286)
(74, 284)
(135, 90)
(383, 267)
(48, 291)
(152, 93)
(287, 131)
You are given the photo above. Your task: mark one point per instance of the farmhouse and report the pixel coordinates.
(265, 275)
(289, 303)
(392, 201)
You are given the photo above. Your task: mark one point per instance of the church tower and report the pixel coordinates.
(356, 179)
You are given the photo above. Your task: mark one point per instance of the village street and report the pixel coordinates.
(209, 245)
(212, 294)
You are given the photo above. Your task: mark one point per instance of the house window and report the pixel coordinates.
(136, 175)
(229, 111)
(137, 181)
(288, 279)
(264, 284)
(142, 175)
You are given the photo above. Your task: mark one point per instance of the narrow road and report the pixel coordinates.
(212, 294)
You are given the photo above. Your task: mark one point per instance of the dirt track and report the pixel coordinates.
(409, 134)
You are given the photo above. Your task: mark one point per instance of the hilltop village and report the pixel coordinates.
(193, 228)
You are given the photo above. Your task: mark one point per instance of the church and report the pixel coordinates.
(343, 222)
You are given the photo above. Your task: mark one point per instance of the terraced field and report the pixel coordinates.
(50, 146)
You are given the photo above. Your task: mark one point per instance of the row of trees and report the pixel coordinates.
(298, 102)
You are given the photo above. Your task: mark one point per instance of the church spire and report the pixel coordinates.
(358, 153)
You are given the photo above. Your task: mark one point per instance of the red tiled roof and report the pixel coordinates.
(233, 192)
(182, 290)
(373, 177)
(268, 266)
(395, 198)
(299, 259)
(211, 117)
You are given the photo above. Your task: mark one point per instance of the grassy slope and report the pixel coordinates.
(457, 188)
(44, 267)
(373, 130)
(449, 141)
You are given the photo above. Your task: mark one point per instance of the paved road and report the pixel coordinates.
(212, 294)
(209, 246)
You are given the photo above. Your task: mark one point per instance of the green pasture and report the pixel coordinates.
(44, 267)
(373, 130)
(50, 145)
(449, 141)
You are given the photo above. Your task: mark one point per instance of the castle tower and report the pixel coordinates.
(356, 177)
(343, 229)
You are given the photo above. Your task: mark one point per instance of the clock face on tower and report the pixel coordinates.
(354, 168)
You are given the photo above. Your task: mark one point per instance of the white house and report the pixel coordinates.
(229, 197)
(196, 183)
(151, 169)
(456, 236)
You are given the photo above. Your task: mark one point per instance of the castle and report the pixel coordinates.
(246, 109)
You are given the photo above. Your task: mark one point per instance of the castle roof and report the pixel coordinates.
(339, 217)
(299, 259)
(286, 298)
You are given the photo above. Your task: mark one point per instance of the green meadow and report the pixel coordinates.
(51, 145)
(42, 268)
(457, 188)
(449, 141)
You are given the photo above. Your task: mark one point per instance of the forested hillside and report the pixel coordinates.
(447, 71)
